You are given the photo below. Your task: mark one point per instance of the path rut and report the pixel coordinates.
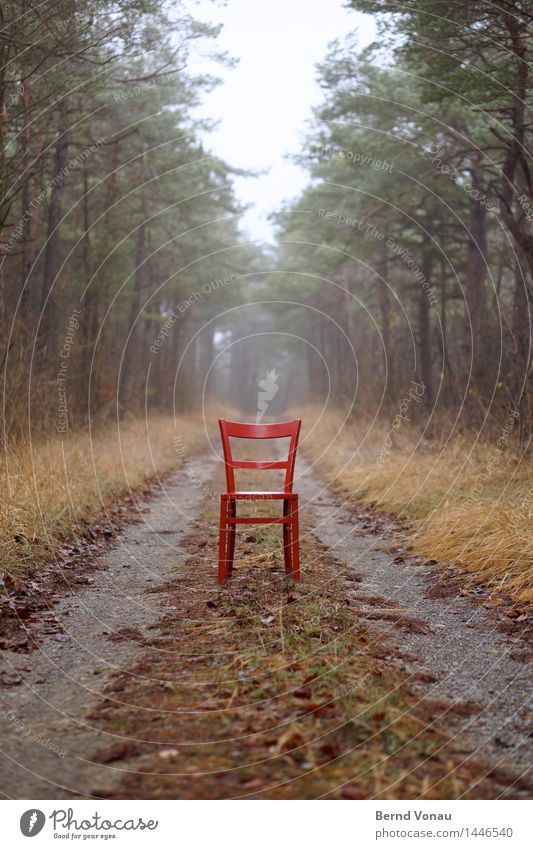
(463, 658)
(100, 631)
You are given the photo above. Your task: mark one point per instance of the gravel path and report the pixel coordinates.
(463, 657)
(47, 737)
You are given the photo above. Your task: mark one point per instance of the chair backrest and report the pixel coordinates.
(242, 430)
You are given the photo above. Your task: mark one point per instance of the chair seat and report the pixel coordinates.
(254, 494)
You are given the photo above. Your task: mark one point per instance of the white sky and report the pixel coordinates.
(263, 104)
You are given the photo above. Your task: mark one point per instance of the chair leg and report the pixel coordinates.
(231, 538)
(287, 539)
(222, 541)
(295, 542)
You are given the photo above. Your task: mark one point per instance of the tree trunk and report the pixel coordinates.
(476, 296)
(52, 254)
(424, 332)
(521, 371)
(384, 310)
(130, 373)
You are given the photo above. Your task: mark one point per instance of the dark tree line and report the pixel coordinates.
(118, 228)
(406, 265)
(415, 232)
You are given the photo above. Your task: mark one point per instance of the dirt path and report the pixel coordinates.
(153, 683)
(86, 639)
(458, 653)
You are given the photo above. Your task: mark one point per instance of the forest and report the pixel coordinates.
(432, 280)
(113, 208)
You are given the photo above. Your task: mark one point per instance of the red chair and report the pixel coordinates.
(229, 499)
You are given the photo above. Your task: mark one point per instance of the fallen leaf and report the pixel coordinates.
(168, 754)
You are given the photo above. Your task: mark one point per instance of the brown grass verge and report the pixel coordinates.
(469, 504)
(52, 489)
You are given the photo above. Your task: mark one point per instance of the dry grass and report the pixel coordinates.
(53, 488)
(470, 505)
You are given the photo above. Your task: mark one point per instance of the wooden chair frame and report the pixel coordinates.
(228, 500)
